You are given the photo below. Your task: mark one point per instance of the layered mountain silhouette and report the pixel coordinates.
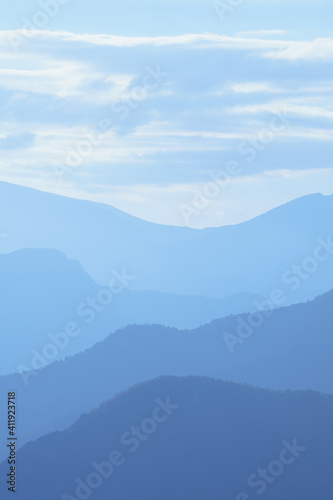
(95, 301)
(187, 438)
(292, 349)
(256, 256)
(42, 292)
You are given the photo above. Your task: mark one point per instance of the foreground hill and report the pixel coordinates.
(256, 256)
(187, 438)
(41, 292)
(292, 349)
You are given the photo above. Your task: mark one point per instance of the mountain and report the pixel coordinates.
(42, 292)
(292, 349)
(187, 438)
(289, 247)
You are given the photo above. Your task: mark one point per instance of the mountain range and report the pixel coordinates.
(51, 292)
(253, 257)
(292, 349)
(107, 318)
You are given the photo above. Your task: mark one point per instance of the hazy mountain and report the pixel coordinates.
(41, 292)
(256, 256)
(293, 349)
(187, 438)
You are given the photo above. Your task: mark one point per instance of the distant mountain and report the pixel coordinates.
(41, 292)
(190, 439)
(292, 349)
(256, 256)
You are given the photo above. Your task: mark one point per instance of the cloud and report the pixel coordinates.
(250, 88)
(319, 48)
(276, 107)
(65, 79)
(192, 39)
(166, 130)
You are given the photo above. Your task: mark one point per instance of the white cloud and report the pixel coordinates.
(320, 48)
(162, 129)
(65, 79)
(276, 108)
(254, 88)
(295, 174)
(193, 39)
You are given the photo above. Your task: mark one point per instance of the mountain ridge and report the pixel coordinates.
(138, 353)
(214, 262)
(180, 420)
(50, 291)
(118, 211)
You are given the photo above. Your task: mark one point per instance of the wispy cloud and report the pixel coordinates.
(66, 79)
(319, 48)
(275, 107)
(249, 88)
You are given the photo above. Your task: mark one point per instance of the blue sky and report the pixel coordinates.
(183, 90)
(305, 18)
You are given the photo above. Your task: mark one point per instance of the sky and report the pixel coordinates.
(199, 113)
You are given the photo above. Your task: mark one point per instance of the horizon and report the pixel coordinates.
(172, 225)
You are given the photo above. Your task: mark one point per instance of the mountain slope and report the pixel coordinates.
(41, 292)
(293, 349)
(216, 262)
(188, 438)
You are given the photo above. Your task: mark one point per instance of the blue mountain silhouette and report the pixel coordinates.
(188, 438)
(216, 262)
(292, 349)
